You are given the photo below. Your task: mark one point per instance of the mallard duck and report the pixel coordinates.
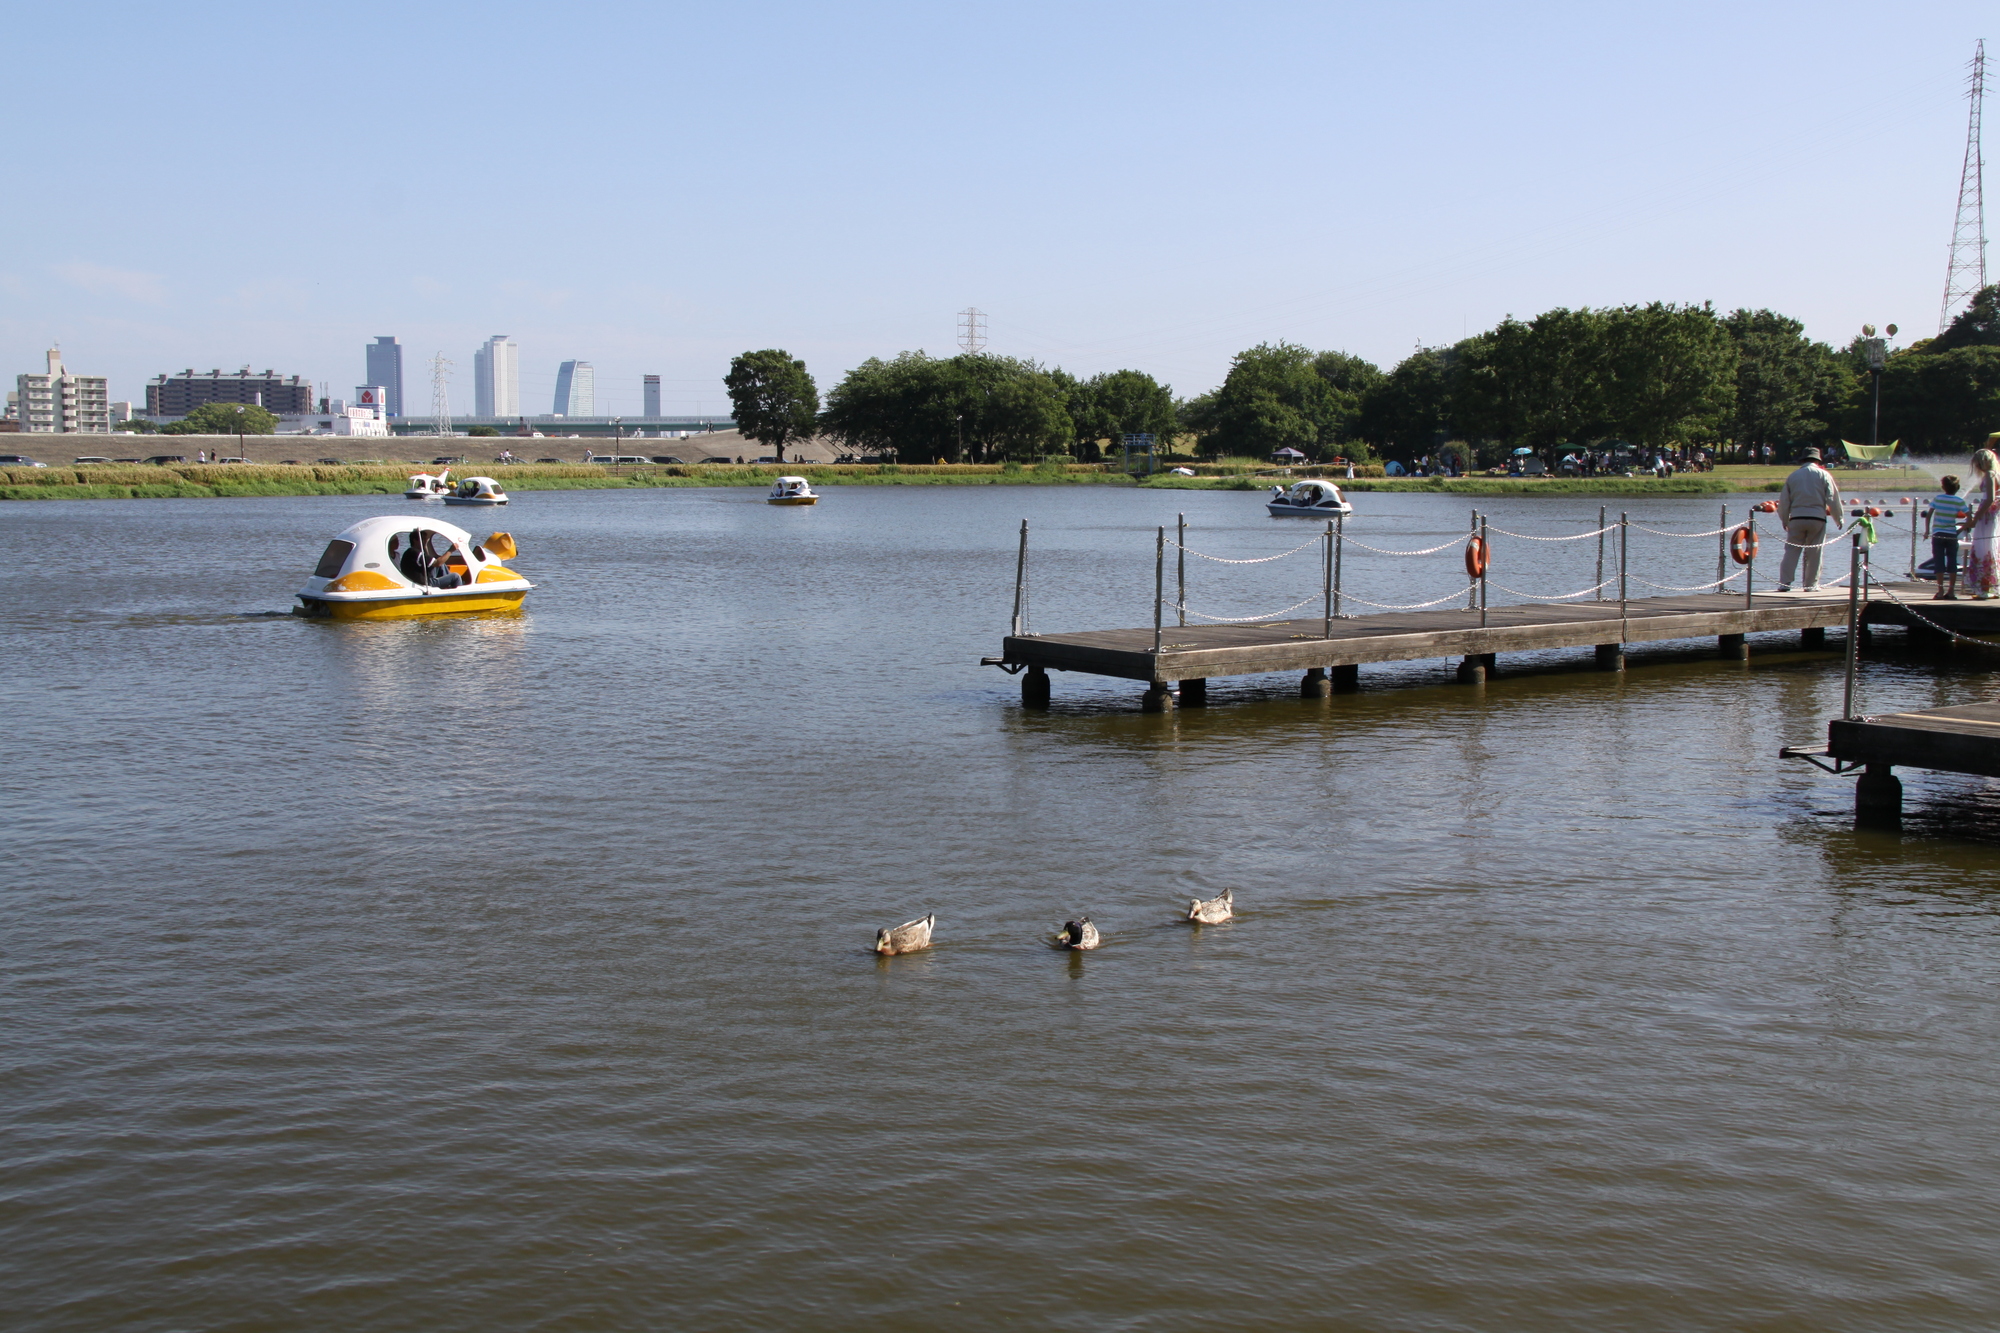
(906, 938)
(1219, 908)
(1079, 935)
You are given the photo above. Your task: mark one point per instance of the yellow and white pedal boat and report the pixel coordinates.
(792, 491)
(395, 567)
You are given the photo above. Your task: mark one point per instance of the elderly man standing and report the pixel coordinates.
(1811, 497)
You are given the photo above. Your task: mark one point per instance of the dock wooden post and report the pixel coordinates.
(1021, 579)
(1315, 685)
(1853, 624)
(1346, 679)
(1813, 636)
(1194, 693)
(1734, 647)
(1035, 688)
(1158, 698)
(1610, 657)
(1180, 560)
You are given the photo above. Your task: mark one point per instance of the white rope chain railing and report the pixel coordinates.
(1574, 536)
(1244, 620)
(1538, 597)
(1699, 587)
(1260, 560)
(1376, 550)
(1712, 532)
(1393, 606)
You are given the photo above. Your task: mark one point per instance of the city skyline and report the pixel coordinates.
(496, 377)
(1550, 163)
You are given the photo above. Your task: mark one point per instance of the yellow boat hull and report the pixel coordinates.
(406, 608)
(792, 500)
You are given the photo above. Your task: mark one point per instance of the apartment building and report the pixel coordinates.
(60, 403)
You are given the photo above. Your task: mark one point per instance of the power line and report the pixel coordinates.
(1965, 275)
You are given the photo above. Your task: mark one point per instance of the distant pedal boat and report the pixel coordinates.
(423, 486)
(398, 566)
(1312, 499)
(477, 491)
(792, 491)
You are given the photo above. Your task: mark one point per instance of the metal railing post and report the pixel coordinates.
(1339, 550)
(1485, 559)
(1159, 586)
(1020, 579)
(1326, 590)
(1750, 565)
(1722, 551)
(1180, 558)
(1913, 540)
(1471, 579)
(1601, 525)
(1853, 625)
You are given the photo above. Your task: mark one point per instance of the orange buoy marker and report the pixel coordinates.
(1477, 557)
(1743, 545)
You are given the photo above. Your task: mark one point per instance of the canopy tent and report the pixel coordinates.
(1870, 453)
(1520, 452)
(1279, 454)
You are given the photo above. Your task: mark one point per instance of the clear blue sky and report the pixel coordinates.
(656, 187)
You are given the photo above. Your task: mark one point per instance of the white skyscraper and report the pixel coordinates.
(576, 389)
(496, 378)
(62, 403)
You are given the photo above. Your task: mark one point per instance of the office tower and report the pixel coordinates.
(496, 378)
(61, 403)
(652, 396)
(178, 395)
(385, 367)
(576, 390)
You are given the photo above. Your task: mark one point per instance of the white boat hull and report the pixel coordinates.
(1308, 511)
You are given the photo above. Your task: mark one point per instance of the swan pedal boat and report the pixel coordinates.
(423, 486)
(792, 491)
(1315, 499)
(477, 491)
(375, 570)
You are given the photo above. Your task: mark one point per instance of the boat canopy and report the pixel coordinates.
(379, 546)
(790, 486)
(481, 487)
(1314, 494)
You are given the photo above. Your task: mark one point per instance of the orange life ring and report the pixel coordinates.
(1768, 507)
(1743, 545)
(1477, 557)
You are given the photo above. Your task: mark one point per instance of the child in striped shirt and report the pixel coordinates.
(1948, 510)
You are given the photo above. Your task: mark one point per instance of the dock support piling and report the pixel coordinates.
(1878, 797)
(1035, 688)
(1813, 637)
(1194, 693)
(1315, 685)
(1610, 657)
(1158, 699)
(1475, 668)
(1734, 647)
(1346, 679)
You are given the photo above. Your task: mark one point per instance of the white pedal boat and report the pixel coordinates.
(424, 486)
(477, 491)
(1312, 499)
(792, 491)
(397, 566)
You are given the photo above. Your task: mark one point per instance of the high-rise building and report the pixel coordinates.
(385, 367)
(652, 395)
(496, 378)
(178, 395)
(576, 390)
(61, 403)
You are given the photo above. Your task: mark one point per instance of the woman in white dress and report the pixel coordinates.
(1982, 561)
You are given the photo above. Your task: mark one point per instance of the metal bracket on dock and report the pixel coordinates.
(1011, 668)
(1816, 755)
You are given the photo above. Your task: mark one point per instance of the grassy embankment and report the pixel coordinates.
(1726, 480)
(207, 481)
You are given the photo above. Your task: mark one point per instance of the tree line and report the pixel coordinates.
(1655, 376)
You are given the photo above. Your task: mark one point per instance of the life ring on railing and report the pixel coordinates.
(1743, 545)
(1767, 507)
(1477, 557)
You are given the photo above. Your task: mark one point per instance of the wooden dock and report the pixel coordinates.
(1964, 738)
(1192, 655)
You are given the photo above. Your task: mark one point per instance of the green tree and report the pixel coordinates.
(1938, 402)
(1121, 402)
(224, 419)
(1978, 325)
(774, 399)
(1276, 397)
(136, 426)
(483, 430)
(1672, 373)
(1408, 414)
(1787, 386)
(967, 407)
(1537, 383)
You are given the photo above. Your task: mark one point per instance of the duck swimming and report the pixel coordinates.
(906, 938)
(1219, 908)
(1079, 935)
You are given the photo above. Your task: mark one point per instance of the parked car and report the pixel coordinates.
(19, 460)
(551, 460)
(718, 460)
(619, 460)
(453, 460)
(91, 458)
(330, 462)
(161, 460)
(668, 458)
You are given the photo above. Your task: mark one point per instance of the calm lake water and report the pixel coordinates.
(513, 973)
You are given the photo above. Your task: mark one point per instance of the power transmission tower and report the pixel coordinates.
(440, 396)
(1966, 274)
(971, 330)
